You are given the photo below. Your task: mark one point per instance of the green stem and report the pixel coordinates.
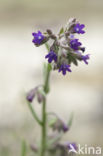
(23, 152)
(44, 120)
(43, 139)
(34, 114)
(46, 81)
(46, 90)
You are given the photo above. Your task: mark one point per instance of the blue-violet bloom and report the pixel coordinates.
(38, 38)
(51, 56)
(64, 68)
(85, 58)
(74, 44)
(78, 28)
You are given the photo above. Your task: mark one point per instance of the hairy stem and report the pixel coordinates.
(46, 90)
(43, 139)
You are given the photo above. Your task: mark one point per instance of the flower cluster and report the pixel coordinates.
(65, 48)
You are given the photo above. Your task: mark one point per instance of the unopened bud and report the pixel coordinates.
(82, 49)
(53, 36)
(31, 95)
(40, 97)
(65, 127)
(49, 31)
(60, 126)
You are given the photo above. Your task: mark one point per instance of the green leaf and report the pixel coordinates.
(61, 31)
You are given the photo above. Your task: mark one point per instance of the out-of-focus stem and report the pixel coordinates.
(23, 152)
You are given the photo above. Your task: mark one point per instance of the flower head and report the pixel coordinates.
(74, 44)
(64, 49)
(78, 28)
(64, 68)
(38, 38)
(51, 56)
(85, 58)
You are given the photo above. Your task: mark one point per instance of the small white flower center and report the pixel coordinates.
(77, 29)
(39, 37)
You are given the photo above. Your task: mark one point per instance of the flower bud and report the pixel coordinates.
(71, 24)
(53, 37)
(31, 95)
(60, 125)
(49, 32)
(65, 127)
(82, 49)
(40, 97)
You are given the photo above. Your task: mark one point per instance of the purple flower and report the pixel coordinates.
(64, 68)
(38, 38)
(72, 146)
(85, 58)
(74, 44)
(51, 56)
(78, 28)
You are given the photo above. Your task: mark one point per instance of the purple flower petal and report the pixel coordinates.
(78, 28)
(51, 56)
(85, 58)
(74, 44)
(38, 38)
(64, 68)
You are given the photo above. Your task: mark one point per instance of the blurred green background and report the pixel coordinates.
(21, 69)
